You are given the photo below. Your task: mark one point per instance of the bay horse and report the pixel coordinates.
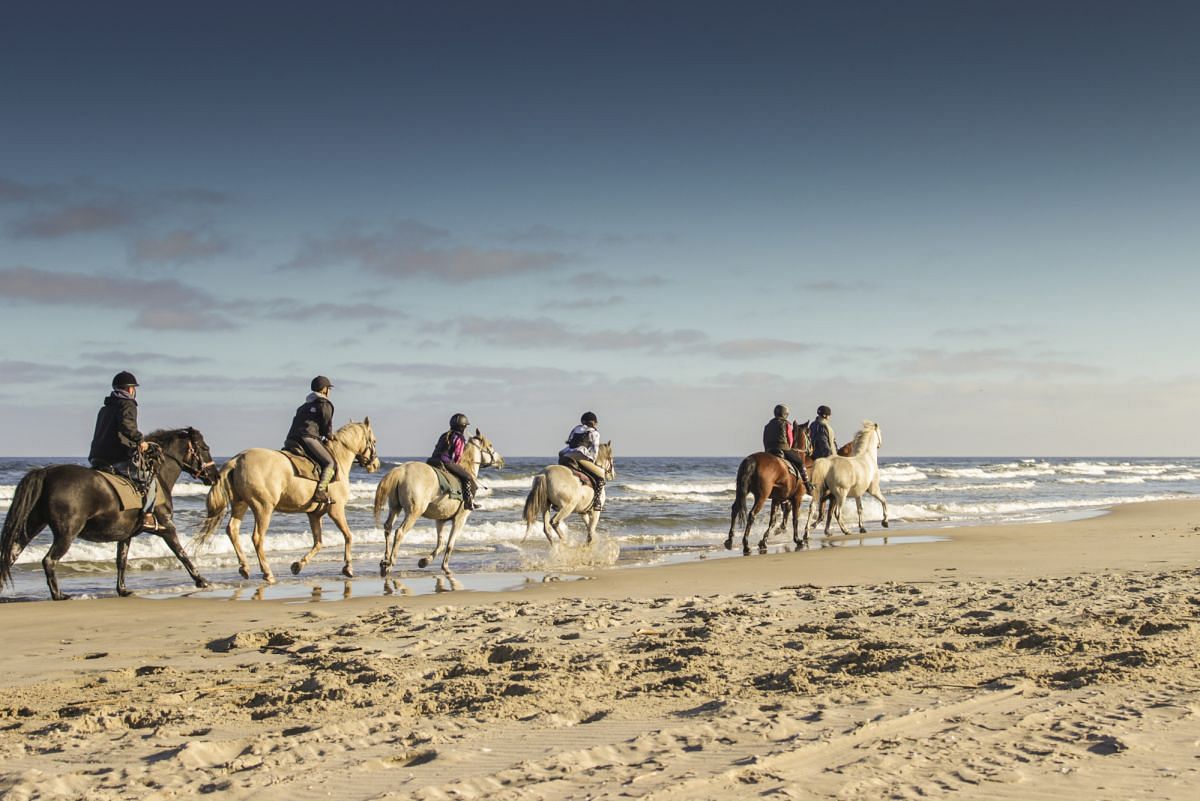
(414, 488)
(840, 477)
(766, 476)
(75, 501)
(262, 480)
(557, 489)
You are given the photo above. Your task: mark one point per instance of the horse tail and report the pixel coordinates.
(220, 496)
(745, 474)
(14, 538)
(536, 502)
(383, 491)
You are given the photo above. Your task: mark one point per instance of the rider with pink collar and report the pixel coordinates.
(447, 452)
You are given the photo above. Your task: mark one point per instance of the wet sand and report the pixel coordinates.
(1055, 660)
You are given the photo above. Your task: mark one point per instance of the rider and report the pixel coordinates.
(117, 443)
(449, 450)
(311, 429)
(777, 440)
(583, 443)
(820, 434)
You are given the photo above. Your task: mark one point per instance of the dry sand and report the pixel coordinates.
(1024, 662)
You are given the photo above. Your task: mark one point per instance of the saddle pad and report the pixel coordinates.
(448, 482)
(127, 494)
(305, 467)
(584, 478)
(790, 466)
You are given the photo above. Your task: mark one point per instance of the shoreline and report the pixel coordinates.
(914, 670)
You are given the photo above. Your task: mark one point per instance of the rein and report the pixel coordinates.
(194, 471)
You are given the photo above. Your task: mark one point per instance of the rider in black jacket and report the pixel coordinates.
(117, 442)
(777, 440)
(311, 427)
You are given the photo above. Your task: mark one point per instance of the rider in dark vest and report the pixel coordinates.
(820, 434)
(311, 428)
(777, 440)
(448, 450)
(583, 445)
(117, 444)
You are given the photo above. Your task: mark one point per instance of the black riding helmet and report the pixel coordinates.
(124, 379)
(589, 418)
(320, 382)
(782, 411)
(823, 411)
(459, 422)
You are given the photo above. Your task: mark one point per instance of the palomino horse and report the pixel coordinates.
(839, 477)
(414, 487)
(557, 488)
(75, 501)
(766, 476)
(263, 481)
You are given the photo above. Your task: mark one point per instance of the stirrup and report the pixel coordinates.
(320, 495)
(151, 525)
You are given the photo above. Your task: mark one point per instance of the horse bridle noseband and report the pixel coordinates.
(194, 471)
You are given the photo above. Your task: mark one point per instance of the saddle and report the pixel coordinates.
(129, 494)
(791, 467)
(585, 479)
(303, 466)
(448, 482)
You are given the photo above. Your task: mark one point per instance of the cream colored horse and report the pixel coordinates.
(839, 477)
(263, 481)
(557, 488)
(413, 487)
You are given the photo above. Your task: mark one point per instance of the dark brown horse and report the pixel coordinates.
(75, 501)
(765, 476)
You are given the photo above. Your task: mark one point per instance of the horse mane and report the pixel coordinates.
(158, 435)
(867, 428)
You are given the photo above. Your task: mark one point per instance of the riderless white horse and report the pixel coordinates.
(839, 477)
(263, 481)
(557, 488)
(414, 487)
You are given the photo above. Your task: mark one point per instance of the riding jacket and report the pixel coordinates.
(117, 437)
(777, 435)
(313, 419)
(820, 433)
(583, 442)
(449, 448)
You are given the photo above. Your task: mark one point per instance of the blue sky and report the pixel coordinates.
(973, 222)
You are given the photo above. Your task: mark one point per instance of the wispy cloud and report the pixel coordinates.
(1036, 365)
(751, 348)
(181, 246)
(411, 248)
(141, 357)
(604, 280)
(544, 332)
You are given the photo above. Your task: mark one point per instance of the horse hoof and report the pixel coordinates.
(862, 530)
(729, 545)
(296, 568)
(124, 593)
(423, 562)
(885, 524)
(202, 583)
(61, 597)
(348, 571)
(269, 578)
(384, 569)
(243, 572)
(746, 551)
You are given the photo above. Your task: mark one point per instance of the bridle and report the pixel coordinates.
(194, 470)
(489, 451)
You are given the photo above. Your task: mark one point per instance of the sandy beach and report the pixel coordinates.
(1018, 662)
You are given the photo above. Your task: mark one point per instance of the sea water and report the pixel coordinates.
(660, 509)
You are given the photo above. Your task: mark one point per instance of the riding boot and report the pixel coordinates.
(598, 499)
(468, 492)
(804, 477)
(150, 523)
(322, 493)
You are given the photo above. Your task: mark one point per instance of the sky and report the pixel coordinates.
(973, 222)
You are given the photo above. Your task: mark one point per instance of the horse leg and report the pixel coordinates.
(559, 516)
(262, 521)
(877, 495)
(456, 526)
(858, 503)
(58, 549)
(839, 505)
(546, 526)
(170, 535)
(410, 520)
(233, 529)
(314, 525)
(122, 561)
(437, 547)
(796, 506)
(762, 544)
(593, 520)
(733, 516)
(338, 514)
(759, 500)
(385, 564)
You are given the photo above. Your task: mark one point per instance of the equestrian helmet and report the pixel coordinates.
(319, 383)
(124, 379)
(459, 422)
(589, 418)
(823, 411)
(782, 411)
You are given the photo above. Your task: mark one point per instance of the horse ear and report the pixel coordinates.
(367, 420)
(477, 432)
(609, 443)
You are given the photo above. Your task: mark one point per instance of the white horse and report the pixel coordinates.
(839, 477)
(413, 487)
(262, 481)
(557, 488)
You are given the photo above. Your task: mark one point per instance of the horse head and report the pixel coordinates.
(488, 457)
(187, 448)
(800, 439)
(604, 460)
(359, 439)
(869, 432)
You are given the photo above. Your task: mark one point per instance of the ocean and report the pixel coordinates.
(659, 509)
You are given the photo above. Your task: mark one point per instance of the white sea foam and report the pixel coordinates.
(668, 488)
(901, 474)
